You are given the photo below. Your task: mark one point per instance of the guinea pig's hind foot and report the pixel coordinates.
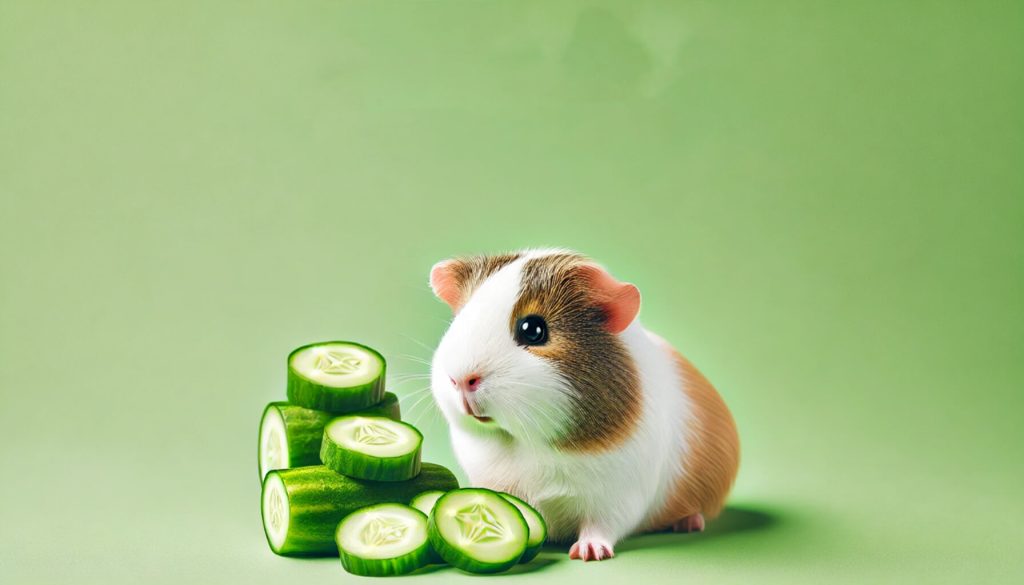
(591, 549)
(692, 523)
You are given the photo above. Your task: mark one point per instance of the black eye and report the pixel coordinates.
(531, 330)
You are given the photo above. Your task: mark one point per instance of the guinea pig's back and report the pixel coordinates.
(711, 460)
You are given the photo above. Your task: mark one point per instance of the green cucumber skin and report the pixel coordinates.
(530, 553)
(304, 427)
(359, 466)
(388, 407)
(402, 565)
(362, 466)
(457, 558)
(305, 392)
(319, 498)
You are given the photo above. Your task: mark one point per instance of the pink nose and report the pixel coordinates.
(469, 383)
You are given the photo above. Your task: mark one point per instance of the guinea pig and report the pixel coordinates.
(554, 392)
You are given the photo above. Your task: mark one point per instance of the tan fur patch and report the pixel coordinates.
(471, 271)
(594, 360)
(710, 466)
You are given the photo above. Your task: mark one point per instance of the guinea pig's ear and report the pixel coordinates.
(620, 300)
(444, 279)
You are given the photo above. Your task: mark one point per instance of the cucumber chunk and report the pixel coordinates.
(535, 523)
(383, 540)
(388, 407)
(372, 447)
(336, 376)
(477, 530)
(425, 502)
(302, 507)
(290, 436)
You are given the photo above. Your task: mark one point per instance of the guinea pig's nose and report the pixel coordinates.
(468, 383)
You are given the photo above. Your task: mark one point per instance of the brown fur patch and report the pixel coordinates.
(710, 466)
(471, 271)
(598, 364)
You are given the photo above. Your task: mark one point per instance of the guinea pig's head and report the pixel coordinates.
(533, 353)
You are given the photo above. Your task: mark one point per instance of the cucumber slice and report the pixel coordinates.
(477, 530)
(372, 447)
(335, 376)
(425, 502)
(290, 436)
(383, 540)
(301, 507)
(535, 523)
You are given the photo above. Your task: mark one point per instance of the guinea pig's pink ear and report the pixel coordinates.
(620, 300)
(445, 282)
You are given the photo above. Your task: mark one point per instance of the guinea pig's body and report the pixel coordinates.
(556, 393)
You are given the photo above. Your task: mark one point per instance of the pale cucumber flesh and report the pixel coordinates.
(425, 502)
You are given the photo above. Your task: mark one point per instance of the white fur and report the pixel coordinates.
(597, 498)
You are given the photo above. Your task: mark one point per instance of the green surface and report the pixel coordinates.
(823, 206)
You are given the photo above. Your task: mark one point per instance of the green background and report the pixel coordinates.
(822, 202)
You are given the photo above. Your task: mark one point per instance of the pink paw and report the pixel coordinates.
(591, 549)
(692, 523)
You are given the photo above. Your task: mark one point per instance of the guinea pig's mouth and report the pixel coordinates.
(468, 408)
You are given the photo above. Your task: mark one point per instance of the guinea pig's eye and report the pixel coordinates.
(531, 330)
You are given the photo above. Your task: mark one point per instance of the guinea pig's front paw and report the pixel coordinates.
(591, 549)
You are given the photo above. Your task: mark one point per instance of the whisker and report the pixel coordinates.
(407, 377)
(418, 342)
(413, 358)
(415, 392)
(416, 420)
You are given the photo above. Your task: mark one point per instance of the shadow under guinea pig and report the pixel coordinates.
(732, 520)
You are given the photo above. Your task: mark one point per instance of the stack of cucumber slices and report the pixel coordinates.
(342, 475)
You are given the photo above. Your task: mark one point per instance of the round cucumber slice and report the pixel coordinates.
(372, 447)
(477, 530)
(383, 540)
(425, 502)
(536, 525)
(291, 436)
(336, 376)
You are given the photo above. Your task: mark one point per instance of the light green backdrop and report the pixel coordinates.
(822, 204)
